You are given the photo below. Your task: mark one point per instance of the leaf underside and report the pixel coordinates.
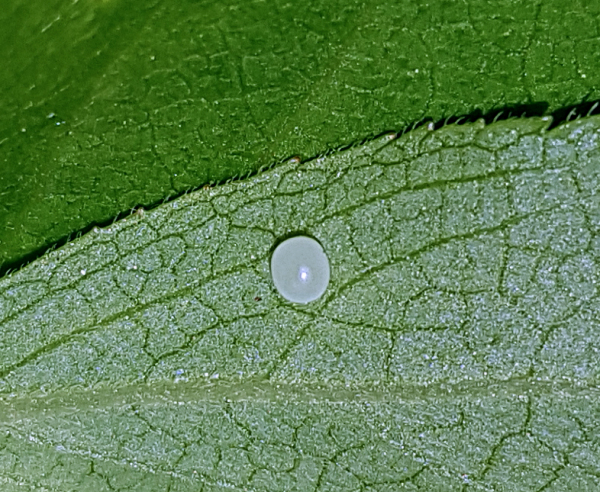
(456, 347)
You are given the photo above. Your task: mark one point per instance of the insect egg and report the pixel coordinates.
(300, 269)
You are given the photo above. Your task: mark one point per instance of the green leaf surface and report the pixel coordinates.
(110, 104)
(456, 347)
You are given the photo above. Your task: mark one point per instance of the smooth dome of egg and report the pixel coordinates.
(300, 269)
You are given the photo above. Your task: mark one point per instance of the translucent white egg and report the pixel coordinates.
(300, 269)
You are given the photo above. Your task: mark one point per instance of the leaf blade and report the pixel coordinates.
(456, 339)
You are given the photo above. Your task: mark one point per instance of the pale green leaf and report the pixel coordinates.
(455, 349)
